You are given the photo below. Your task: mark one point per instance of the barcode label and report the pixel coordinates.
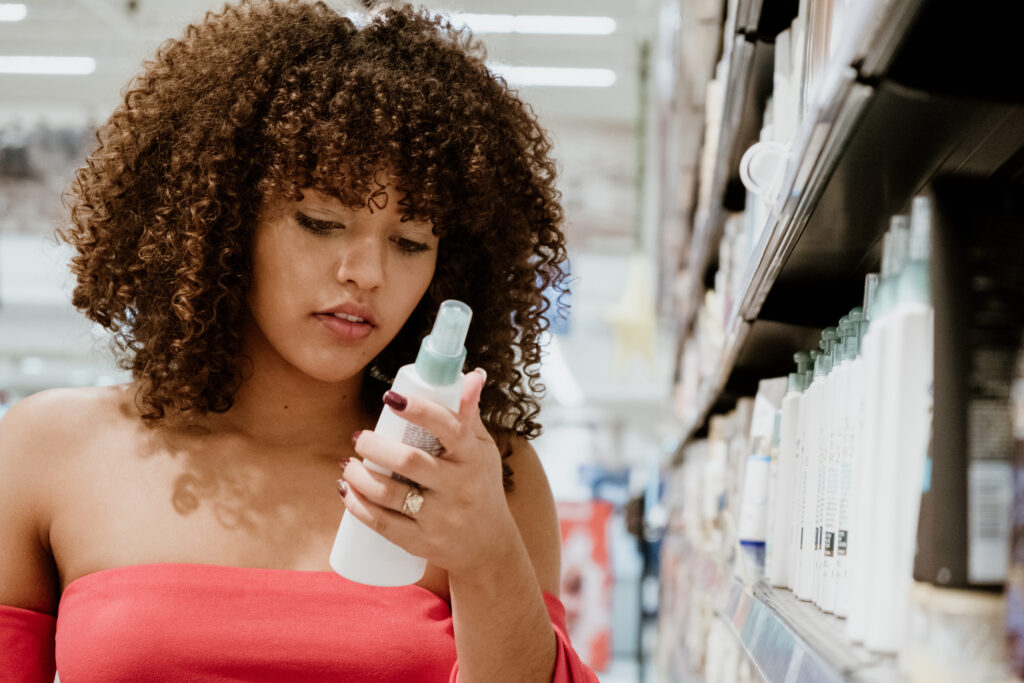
(989, 504)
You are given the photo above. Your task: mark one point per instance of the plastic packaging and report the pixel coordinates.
(359, 553)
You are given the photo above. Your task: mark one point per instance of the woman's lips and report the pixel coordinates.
(344, 328)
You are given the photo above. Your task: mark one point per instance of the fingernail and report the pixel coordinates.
(344, 463)
(483, 373)
(342, 488)
(395, 401)
(355, 436)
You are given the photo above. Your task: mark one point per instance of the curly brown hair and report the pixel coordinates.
(265, 98)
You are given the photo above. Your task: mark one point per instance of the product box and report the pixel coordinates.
(977, 252)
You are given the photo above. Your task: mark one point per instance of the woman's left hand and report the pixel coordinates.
(464, 521)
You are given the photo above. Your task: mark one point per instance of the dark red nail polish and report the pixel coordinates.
(395, 401)
(355, 436)
(342, 487)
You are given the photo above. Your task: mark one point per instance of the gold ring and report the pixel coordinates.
(413, 502)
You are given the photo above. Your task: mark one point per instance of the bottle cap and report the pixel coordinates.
(857, 327)
(796, 382)
(870, 287)
(915, 280)
(442, 352)
(803, 361)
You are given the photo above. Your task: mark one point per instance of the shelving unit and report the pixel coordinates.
(824, 235)
(879, 129)
(789, 640)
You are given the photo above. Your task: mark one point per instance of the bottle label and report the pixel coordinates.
(990, 500)
(830, 541)
(841, 550)
(420, 438)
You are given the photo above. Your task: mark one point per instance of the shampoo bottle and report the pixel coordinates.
(881, 631)
(877, 376)
(360, 554)
(847, 463)
(809, 405)
(861, 547)
(838, 406)
(822, 372)
(790, 457)
(910, 344)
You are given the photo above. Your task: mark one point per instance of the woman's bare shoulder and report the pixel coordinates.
(38, 436)
(57, 421)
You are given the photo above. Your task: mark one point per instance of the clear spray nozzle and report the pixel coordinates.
(450, 329)
(443, 351)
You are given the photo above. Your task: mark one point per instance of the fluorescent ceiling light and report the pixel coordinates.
(530, 23)
(555, 76)
(12, 11)
(71, 66)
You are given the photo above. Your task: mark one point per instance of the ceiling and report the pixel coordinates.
(120, 33)
(593, 129)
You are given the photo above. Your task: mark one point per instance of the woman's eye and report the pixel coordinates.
(409, 246)
(315, 225)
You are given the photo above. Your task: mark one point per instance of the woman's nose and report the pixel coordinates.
(363, 263)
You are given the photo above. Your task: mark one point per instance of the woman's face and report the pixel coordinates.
(332, 286)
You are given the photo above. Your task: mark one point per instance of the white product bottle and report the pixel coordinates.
(847, 465)
(783, 484)
(838, 406)
(791, 451)
(880, 421)
(807, 479)
(906, 435)
(813, 399)
(860, 494)
(361, 554)
(861, 546)
(829, 338)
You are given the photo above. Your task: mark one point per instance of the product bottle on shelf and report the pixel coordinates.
(861, 495)
(911, 341)
(829, 338)
(808, 494)
(848, 454)
(887, 606)
(789, 482)
(838, 407)
(878, 372)
(755, 511)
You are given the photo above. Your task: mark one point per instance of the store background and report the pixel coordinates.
(686, 289)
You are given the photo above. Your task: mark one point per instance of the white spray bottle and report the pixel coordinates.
(361, 554)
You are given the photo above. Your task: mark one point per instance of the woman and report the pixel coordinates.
(268, 224)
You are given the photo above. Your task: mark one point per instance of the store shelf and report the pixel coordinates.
(827, 237)
(862, 151)
(749, 81)
(752, 350)
(765, 18)
(792, 641)
(877, 30)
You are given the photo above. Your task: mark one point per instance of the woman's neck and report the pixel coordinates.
(278, 406)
